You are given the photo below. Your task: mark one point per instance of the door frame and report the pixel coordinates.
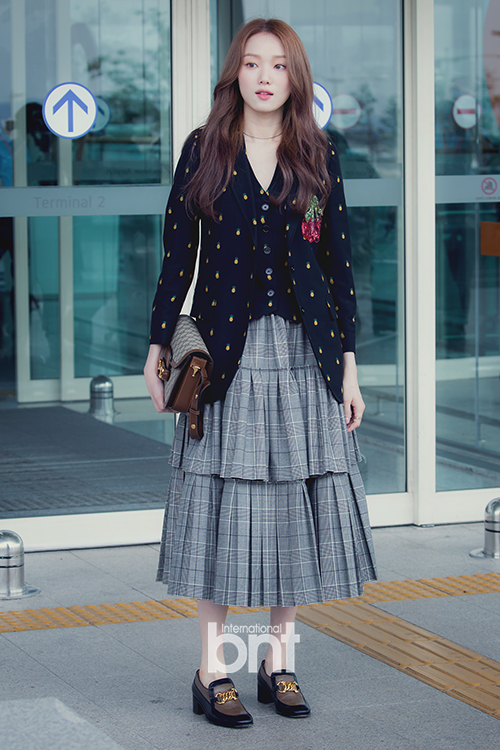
(190, 78)
(421, 504)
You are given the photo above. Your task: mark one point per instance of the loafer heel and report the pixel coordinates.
(282, 689)
(264, 694)
(220, 702)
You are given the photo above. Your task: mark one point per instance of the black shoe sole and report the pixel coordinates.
(199, 708)
(265, 695)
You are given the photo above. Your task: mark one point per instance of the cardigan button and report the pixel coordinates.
(270, 292)
(292, 268)
(265, 206)
(269, 270)
(265, 228)
(302, 310)
(267, 249)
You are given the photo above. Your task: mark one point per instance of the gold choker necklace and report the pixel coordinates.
(259, 138)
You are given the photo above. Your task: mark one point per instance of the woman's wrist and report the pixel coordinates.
(350, 362)
(155, 352)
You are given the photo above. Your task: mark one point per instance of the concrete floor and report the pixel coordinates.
(130, 683)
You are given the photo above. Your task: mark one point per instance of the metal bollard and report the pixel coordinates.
(491, 532)
(12, 584)
(101, 399)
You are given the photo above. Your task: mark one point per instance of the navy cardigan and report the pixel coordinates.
(321, 273)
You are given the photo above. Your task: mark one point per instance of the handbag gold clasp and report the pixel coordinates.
(162, 370)
(195, 369)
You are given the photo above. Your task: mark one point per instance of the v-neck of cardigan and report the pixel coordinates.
(273, 178)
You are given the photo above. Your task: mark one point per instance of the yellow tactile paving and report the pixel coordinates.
(482, 583)
(108, 614)
(39, 619)
(396, 590)
(447, 666)
(232, 610)
(189, 608)
(183, 607)
(102, 614)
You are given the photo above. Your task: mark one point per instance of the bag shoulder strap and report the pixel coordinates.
(195, 414)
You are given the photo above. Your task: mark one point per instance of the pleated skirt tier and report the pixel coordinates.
(269, 507)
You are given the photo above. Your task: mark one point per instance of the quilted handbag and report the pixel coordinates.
(185, 370)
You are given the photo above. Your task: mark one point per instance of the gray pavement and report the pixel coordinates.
(128, 685)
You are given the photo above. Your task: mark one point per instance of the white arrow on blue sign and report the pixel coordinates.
(322, 105)
(70, 110)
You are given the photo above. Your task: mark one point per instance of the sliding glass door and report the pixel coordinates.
(87, 213)
(468, 243)
(355, 50)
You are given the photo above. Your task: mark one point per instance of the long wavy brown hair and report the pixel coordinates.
(301, 153)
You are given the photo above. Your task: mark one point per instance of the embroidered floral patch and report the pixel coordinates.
(311, 223)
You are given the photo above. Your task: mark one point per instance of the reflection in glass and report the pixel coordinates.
(467, 247)
(116, 265)
(41, 77)
(121, 52)
(376, 234)
(43, 243)
(355, 49)
(7, 329)
(117, 51)
(460, 70)
(7, 315)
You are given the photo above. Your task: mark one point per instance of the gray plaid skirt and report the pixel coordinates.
(269, 507)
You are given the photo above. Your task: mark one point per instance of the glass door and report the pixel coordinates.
(7, 311)
(355, 50)
(467, 51)
(80, 248)
(88, 211)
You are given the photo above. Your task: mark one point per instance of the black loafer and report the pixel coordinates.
(219, 702)
(283, 689)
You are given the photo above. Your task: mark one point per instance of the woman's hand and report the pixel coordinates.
(354, 405)
(153, 382)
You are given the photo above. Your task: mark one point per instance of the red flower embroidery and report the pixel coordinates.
(311, 223)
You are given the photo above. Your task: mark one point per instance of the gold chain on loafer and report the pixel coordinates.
(222, 707)
(285, 693)
(285, 687)
(227, 695)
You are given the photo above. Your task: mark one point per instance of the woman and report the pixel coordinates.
(268, 509)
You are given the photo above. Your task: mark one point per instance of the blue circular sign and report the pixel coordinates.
(322, 105)
(69, 110)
